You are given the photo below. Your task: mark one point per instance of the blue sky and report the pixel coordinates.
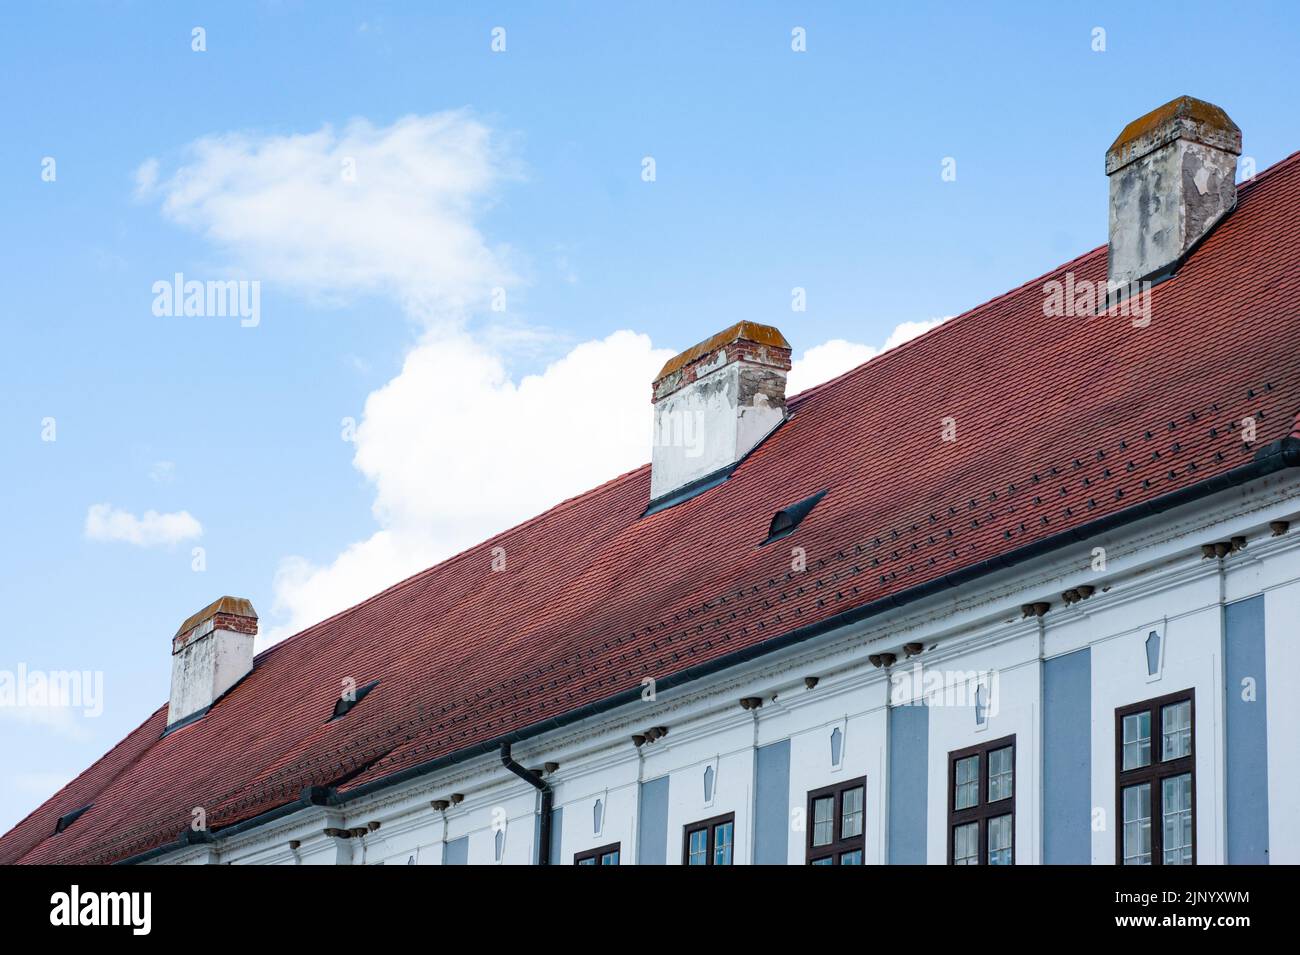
(773, 170)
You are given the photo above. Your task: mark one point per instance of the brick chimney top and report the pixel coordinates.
(224, 613)
(750, 341)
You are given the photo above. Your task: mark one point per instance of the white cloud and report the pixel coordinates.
(906, 331)
(826, 361)
(53, 717)
(457, 450)
(455, 447)
(833, 358)
(146, 178)
(151, 529)
(388, 210)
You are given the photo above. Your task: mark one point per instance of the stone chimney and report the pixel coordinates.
(713, 404)
(211, 652)
(1173, 176)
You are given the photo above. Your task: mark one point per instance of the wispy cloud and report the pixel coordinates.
(334, 213)
(66, 722)
(41, 784)
(162, 472)
(151, 529)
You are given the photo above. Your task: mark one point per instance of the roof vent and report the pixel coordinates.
(787, 519)
(348, 700)
(68, 818)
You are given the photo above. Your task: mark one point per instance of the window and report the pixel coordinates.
(982, 804)
(836, 830)
(710, 842)
(1155, 776)
(837, 824)
(605, 855)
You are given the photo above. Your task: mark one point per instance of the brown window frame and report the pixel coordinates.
(597, 854)
(983, 810)
(838, 844)
(1155, 772)
(711, 826)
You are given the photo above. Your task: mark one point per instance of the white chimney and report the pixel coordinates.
(211, 652)
(713, 404)
(1173, 176)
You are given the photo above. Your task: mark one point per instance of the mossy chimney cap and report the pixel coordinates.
(1183, 118)
(229, 606)
(741, 331)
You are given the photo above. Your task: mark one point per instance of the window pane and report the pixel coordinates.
(1137, 825)
(1000, 770)
(1000, 840)
(968, 782)
(851, 858)
(1137, 740)
(828, 860)
(1176, 730)
(851, 814)
(609, 858)
(1176, 806)
(966, 844)
(823, 821)
(722, 843)
(699, 851)
(587, 861)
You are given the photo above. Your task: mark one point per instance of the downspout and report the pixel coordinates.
(536, 781)
(636, 823)
(1220, 716)
(1040, 748)
(753, 793)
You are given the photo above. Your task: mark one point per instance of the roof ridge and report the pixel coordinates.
(1248, 186)
(903, 347)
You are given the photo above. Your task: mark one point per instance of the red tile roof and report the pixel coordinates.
(1060, 422)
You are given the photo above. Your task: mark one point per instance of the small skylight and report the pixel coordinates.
(343, 704)
(787, 519)
(68, 818)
